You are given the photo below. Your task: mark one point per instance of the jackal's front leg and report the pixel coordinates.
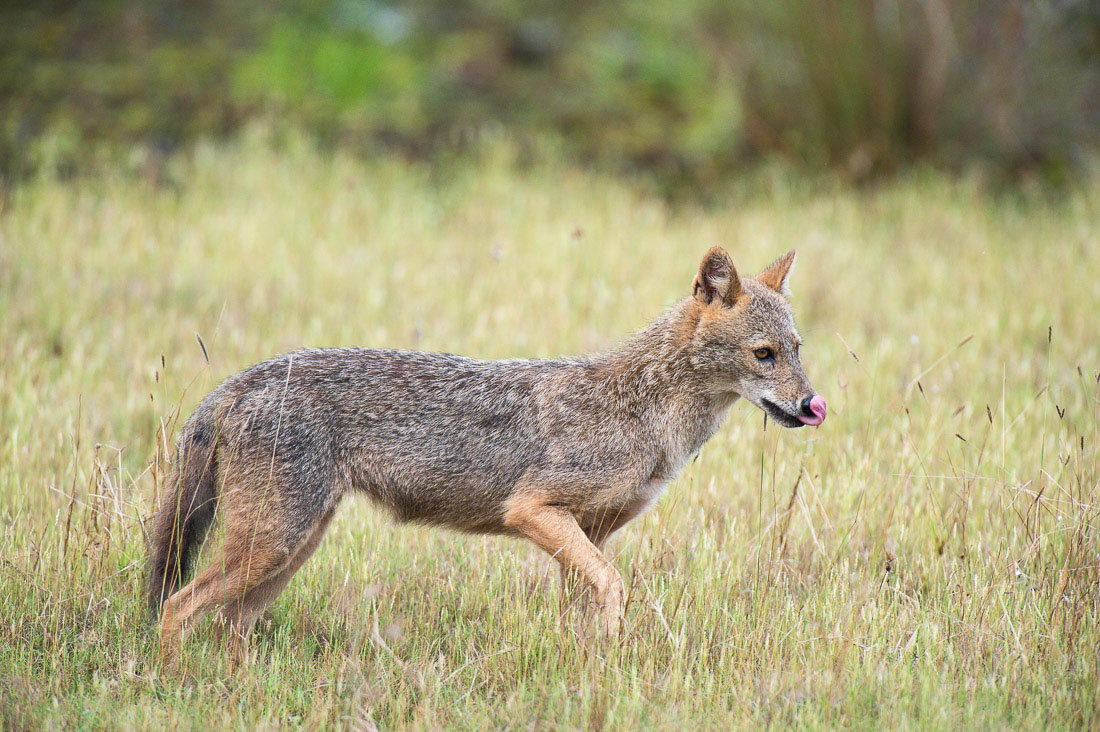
(556, 532)
(574, 591)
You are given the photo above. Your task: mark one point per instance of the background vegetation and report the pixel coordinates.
(507, 179)
(686, 91)
(928, 557)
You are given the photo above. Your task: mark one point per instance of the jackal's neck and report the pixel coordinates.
(655, 363)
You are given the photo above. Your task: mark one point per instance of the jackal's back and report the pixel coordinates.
(433, 437)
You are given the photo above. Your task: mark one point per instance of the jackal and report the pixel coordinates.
(563, 452)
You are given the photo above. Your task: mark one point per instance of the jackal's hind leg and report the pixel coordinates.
(240, 614)
(255, 563)
(244, 563)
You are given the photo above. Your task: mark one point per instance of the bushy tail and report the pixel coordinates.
(186, 510)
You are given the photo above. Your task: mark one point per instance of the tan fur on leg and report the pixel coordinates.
(245, 563)
(557, 532)
(240, 614)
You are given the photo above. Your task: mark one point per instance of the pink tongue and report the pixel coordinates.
(817, 406)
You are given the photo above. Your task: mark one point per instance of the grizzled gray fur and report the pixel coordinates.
(560, 451)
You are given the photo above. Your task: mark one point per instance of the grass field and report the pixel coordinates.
(929, 557)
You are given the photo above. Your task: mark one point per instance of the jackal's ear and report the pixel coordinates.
(716, 279)
(777, 274)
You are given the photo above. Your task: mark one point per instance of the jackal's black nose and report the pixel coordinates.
(813, 410)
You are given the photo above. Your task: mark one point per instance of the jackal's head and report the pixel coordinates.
(745, 341)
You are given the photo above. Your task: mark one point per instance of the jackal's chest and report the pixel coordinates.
(623, 506)
(646, 494)
(679, 445)
(650, 489)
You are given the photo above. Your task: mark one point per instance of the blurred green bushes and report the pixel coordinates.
(688, 90)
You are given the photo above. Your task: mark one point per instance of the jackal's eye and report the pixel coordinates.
(763, 354)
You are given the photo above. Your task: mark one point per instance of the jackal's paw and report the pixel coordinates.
(612, 609)
(169, 643)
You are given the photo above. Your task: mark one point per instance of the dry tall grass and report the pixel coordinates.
(928, 557)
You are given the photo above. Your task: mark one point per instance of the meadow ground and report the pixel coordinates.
(927, 558)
